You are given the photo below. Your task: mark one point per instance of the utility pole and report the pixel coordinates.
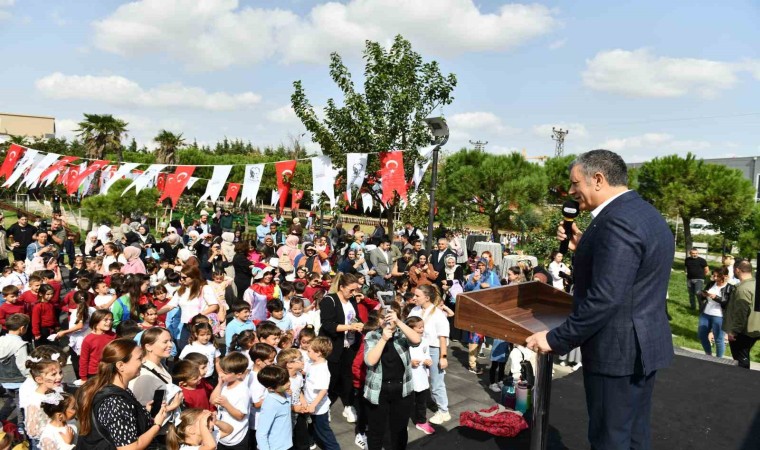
(558, 135)
(479, 145)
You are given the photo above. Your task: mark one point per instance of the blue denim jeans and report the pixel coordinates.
(323, 433)
(714, 323)
(437, 382)
(694, 286)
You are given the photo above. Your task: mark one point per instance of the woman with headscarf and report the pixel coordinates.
(482, 278)
(228, 250)
(312, 258)
(422, 273)
(134, 263)
(350, 264)
(92, 245)
(287, 254)
(268, 249)
(451, 271)
(146, 239)
(169, 246)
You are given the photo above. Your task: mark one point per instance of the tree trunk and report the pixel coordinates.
(687, 233)
(494, 230)
(389, 214)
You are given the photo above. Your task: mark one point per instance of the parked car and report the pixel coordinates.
(701, 226)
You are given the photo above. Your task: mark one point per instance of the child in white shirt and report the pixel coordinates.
(421, 361)
(58, 434)
(298, 320)
(200, 341)
(206, 431)
(232, 400)
(315, 392)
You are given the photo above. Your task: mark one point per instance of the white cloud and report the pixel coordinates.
(639, 73)
(577, 130)
(3, 5)
(284, 114)
(479, 121)
(65, 128)
(654, 141)
(121, 91)
(216, 34)
(557, 44)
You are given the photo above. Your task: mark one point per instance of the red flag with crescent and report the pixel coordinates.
(69, 174)
(161, 182)
(58, 166)
(296, 200)
(14, 154)
(285, 171)
(74, 181)
(392, 173)
(176, 183)
(233, 189)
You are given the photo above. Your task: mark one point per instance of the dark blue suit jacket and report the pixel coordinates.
(621, 270)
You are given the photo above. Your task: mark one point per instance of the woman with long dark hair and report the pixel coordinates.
(341, 324)
(242, 267)
(193, 297)
(108, 411)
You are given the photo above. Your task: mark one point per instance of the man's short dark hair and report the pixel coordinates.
(240, 307)
(272, 377)
(608, 163)
(385, 240)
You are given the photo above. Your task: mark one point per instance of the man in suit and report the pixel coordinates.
(381, 261)
(622, 267)
(438, 258)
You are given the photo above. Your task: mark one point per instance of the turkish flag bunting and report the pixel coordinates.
(11, 158)
(74, 182)
(233, 189)
(285, 171)
(176, 183)
(58, 166)
(295, 202)
(67, 175)
(392, 173)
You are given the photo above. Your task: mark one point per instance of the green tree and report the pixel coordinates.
(101, 133)
(99, 208)
(691, 189)
(557, 173)
(168, 144)
(495, 186)
(400, 90)
(748, 237)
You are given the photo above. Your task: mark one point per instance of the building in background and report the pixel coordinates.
(42, 127)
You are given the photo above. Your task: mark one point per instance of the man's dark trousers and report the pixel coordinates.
(619, 408)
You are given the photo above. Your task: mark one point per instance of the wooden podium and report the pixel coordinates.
(513, 313)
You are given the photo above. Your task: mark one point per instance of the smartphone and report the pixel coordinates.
(158, 399)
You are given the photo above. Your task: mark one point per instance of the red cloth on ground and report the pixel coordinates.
(197, 398)
(43, 316)
(92, 351)
(8, 309)
(506, 424)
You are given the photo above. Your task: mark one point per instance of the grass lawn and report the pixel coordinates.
(684, 321)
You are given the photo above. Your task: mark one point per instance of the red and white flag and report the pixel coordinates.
(176, 183)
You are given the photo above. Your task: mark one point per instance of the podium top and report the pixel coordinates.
(513, 313)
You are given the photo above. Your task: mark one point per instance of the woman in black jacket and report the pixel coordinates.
(341, 324)
(242, 267)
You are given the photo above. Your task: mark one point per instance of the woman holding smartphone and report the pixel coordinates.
(388, 386)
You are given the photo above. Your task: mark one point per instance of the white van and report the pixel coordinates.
(701, 226)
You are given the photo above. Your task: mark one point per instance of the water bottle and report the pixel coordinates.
(508, 393)
(521, 397)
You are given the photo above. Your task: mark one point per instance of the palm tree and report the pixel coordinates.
(102, 132)
(168, 143)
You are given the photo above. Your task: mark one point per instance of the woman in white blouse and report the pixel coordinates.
(557, 268)
(193, 297)
(112, 255)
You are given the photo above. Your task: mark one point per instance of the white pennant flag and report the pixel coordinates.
(323, 176)
(315, 196)
(216, 184)
(420, 167)
(33, 176)
(275, 197)
(356, 171)
(146, 178)
(251, 183)
(367, 203)
(426, 152)
(27, 161)
(191, 182)
(124, 170)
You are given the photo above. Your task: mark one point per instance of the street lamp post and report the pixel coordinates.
(440, 132)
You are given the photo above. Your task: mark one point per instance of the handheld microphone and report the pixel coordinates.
(569, 212)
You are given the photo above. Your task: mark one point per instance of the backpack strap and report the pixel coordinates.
(155, 372)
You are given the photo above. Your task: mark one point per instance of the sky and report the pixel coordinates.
(644, 78)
